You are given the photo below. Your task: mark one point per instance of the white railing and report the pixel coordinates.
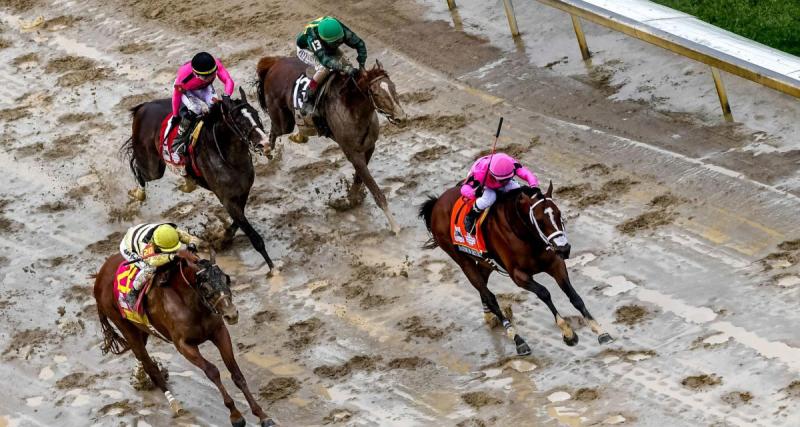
(685, 35)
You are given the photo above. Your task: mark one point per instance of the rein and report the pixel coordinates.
(212, 307)
(547, 240)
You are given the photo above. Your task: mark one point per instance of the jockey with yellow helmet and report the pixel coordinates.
(150, 246)
(318, 46)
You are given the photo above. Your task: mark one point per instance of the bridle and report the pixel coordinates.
(389, 116)
(227, 117)
(212, 306)
(546, 239)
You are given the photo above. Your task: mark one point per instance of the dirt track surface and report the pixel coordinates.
(684, 247)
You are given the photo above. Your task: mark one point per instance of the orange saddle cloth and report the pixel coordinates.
(471, 244)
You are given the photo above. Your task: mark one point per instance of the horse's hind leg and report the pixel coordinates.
(479, 277)
(222, 340)
(137, 340)
(192, 354)
(525, 281)
(359, 162)
(562, 278)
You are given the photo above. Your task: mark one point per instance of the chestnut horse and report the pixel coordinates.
(232, 128)
(524, 235)
(349, 107)
(188, 305)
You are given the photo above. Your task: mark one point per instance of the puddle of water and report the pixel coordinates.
(769, 349)
(610, 359)
(46, 373)
(59, 359)
(680, 308)
(618, 285)
(788, 281)
(34, 402)
(114, 394)
(276, 365)
(638, 356)
(717, 339)
(522, 365)
(566, 416)
(615, 419)
(185, 374)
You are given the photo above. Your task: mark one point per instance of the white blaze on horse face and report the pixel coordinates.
(395, 104)
(560, 240)
(253, 122)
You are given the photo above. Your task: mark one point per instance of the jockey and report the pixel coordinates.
(318, 46)
(194, 93)
(501, 173)
(150, 246)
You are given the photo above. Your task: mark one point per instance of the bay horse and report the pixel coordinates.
(189, 303)
(524, 235)
(349, 106)
(231, 129)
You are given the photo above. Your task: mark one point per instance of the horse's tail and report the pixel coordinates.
(426, 212)
(264, 64)
(126, 151)
(112, 341)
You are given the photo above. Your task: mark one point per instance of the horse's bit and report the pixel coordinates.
(558, 237)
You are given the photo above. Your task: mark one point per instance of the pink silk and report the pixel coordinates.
(480, 169)
(195, 83)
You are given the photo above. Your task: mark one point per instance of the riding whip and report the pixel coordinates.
(494, 145)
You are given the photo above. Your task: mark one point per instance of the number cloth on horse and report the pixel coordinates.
(472, 244)
(165, 146)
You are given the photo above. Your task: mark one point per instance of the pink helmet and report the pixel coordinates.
(502, 166)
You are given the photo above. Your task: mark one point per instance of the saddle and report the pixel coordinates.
(465, 242)
(171, 158)
(315, 123)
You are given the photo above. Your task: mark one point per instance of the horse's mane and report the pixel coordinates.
(532, 192)
(361, 85)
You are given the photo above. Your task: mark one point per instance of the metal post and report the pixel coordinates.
(451, 4)
(723, 96)
(576, 23)
(512, 19)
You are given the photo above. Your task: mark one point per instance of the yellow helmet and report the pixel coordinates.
(166, 238)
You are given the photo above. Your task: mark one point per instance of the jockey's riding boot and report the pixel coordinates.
(471, 218)
(182, 138)
(308, 101)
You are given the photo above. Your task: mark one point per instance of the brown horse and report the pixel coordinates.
(349, 108)
(232, 128)
(524, 235)
(188, 305)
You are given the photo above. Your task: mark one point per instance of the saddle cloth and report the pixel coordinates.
(168, 134)
(473, 245)
(123, 283)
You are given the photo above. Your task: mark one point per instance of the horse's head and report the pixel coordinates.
(382, 93)
(545, 217)
(243, 120)
(214, 288)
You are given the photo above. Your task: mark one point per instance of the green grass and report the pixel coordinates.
(775, 23)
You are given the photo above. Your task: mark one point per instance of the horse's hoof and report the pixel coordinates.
(239, 423)
(491, 320)
(138, 194)
(571, 341)
(605, 338)
(188, 185)
(523, 349)
(297, 138)
(268, 423)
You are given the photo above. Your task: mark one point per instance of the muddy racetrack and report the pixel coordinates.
(685, 236)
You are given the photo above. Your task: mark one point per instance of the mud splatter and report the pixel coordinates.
(14, 113)
(479, 399)
(790, 245)
(131, 101)
(409, 363)
(77, 380)
(265, 316)
(573, 192)
(664, 201)
(135, 47)
(23, 59)
(120, 409)
(596, 169)
(61, 22)
(647, 221)
(69, 63)
(141, 381)
(586, 394)
(793, 389)
(5, 44)
(703, 381)
(415, 328)
(241, 55)
(337, 416)
(77, 78)
(279, 388)
(356, 363)
(737, 398)
(472, 422)
(19, 5)
(303, 333)
(430, 154)
(417, 97)
(618, 186)
(373, 300)
(108, 245)
(430, 122)
(75, 118)
(630, 314)
(27, 343)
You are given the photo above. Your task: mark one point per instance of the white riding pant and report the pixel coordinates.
(489, 196)
(146, 270)
(198, 101)
(311, 60)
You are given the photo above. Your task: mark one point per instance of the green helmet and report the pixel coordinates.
(330, 30)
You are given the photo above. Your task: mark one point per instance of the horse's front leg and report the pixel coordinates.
(559, 273)
(235, 208)
(222, 340)
(525, 281)
(359, 162)
(192, 354)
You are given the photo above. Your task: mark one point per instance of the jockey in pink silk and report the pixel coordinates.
(194, 93)
(501, 173)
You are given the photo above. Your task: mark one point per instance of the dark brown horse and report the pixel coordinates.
(188, 305)
(524, 235)
(232, 128)
(350, 109)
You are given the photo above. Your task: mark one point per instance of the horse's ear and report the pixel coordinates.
(241, 94)
(550, 190)
(378, 64)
